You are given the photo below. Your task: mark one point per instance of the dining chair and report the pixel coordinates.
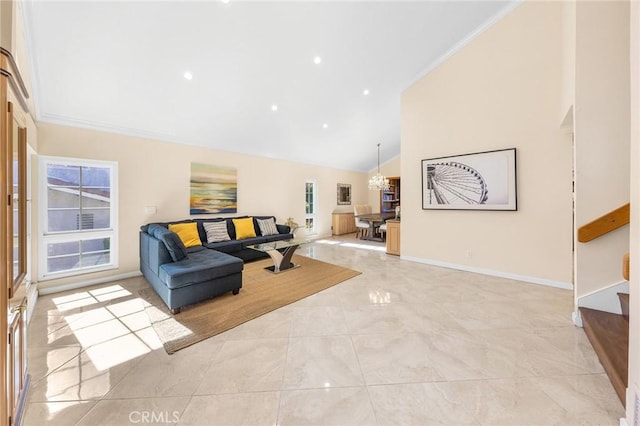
(383, 229)
(362, 226)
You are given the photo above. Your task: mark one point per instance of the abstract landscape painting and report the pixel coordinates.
(214, 189)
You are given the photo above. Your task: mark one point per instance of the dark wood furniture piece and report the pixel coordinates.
(375, 220)
(390, 199)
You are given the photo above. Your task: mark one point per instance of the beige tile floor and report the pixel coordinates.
(401, 344)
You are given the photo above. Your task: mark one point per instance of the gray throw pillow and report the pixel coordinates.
(267, 226)
(216, 231)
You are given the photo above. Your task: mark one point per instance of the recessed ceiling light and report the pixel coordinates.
(317, 60)
(325, 125)
(274, 107)
(365, 92)
(188, 75)
(225, 1)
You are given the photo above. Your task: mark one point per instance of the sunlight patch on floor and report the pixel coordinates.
(364, 247)
(109, 335)
(116, 351)
(328, 242)
(111, 295)
(74, 301)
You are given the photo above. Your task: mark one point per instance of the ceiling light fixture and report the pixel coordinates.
(188, 75)
(225, 1)
(379, 182)
(274, 107)
(365, 92)
(317, 60)
(325, 125)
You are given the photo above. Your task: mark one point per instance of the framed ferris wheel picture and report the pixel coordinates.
(478, 181)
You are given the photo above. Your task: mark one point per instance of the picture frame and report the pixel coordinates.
(343, 194)
(477, 181)
(213, 189)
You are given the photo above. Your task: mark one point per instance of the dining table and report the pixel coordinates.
(374, 220)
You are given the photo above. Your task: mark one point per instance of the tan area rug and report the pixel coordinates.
(262, 291)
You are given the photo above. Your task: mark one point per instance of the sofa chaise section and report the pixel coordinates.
(202, 275)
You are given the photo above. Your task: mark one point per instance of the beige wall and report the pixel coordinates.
(12, 38)
(568, 58)
(154, 173)
(502, 90)
(21, 55)
(601, 136)
(6, 24)
(634, 287)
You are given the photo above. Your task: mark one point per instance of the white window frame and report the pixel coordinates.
(314, 214)
(46, 237)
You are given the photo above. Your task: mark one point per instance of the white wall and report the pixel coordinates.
(601, 136)
(154, 173)
(503, 90)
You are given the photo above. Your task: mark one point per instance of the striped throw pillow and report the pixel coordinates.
(216, 231)
(267, 226)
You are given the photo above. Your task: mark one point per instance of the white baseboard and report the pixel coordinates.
(517, 277)
(576, 318)
(86, 283)
(605, 299)
(32, 299)
(632, 417)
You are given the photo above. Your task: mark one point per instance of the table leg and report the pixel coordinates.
(282, 261)
(370, 233)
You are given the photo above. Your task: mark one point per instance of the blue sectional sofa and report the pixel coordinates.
(182, 276)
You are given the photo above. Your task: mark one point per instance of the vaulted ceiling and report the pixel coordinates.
(120, 66)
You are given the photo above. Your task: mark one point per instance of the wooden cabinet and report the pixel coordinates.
(343, 223)
(390, 199)
(14, 118)
(393, 237)
(17, 376)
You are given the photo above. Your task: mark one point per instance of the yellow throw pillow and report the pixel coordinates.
(188, 233)
(244, 228)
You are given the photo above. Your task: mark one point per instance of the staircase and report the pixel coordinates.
(607, 332)
(609, 336)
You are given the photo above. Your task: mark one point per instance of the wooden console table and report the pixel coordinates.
(343, 223)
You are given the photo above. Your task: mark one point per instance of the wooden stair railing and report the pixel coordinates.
(604, 224)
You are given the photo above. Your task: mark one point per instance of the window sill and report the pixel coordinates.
(76, 272)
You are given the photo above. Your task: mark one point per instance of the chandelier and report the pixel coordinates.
(379, 182)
